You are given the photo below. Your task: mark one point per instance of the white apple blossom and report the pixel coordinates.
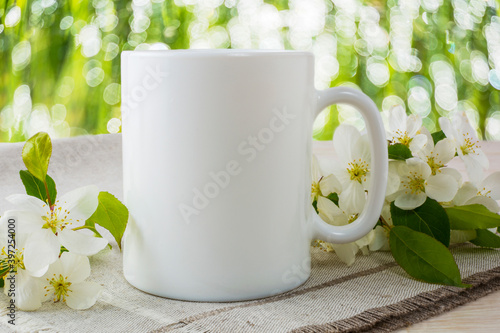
(353, 166)
(28, 294)
(436, 156)
(51, 227)
(405, 129)
(322, 185)
(467, 145)
(65, 281)
(486, 194)
(418, 183)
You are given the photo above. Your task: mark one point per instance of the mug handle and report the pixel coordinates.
(379, 167)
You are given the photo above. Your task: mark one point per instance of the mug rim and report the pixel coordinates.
(218, 52)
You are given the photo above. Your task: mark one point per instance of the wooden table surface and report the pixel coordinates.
(482, 315)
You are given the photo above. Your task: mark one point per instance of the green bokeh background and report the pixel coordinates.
(60, 63)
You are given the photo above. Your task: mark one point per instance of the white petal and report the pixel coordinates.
(315, 169)
(453, 173)
(80, 203)
(346, 252)
(482, 159)
(416, 165)
(28, 292)
(464, 193)
(417, 143)
(328, 211)
(409, 201)
(489, 203)
(393, 181)
(42, 249)
(380, 240)
(366, 239)
(75, 267)
(29, 203)
(344, 139)
(330, 184)
(473, 168)
(429, 144)
(491, 184)
(441, 187)
(397, 119)
(413, 124)
(444, 151)
(352, 199)
(447, 128)
(83, 295)
(80, 243)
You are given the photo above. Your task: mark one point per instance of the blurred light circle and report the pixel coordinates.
(470, 110)
(13, 16)
(39, 120)
(378, 74)
(392, 101)
(66, 22)
(480, 68)
(492, 126)
(58, 114)
(7, 118)
(494, 78)
(94, 76)
(466, 70)
(140, 24)
(111, 94)
(21, 55)
(363, 48)
(90, 39)
(446, 96)
(66, 86)
(112, 50)
(114, 125)
(419, 101)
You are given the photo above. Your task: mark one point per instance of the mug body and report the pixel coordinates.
(216, 172)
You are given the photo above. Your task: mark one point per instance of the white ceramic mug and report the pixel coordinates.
(216, 171)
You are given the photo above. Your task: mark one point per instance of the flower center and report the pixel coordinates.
(434, 165)
(61, 287)
(485, 193)
(469, 145)
(315, 190)
(56, 220)
(358, 170)
(403, 138)
(352, 218)
(415, 183)
(14, 263)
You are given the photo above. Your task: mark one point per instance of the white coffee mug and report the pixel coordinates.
(216, 171)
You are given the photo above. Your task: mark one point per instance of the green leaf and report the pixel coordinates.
(423, 257)
(486, 238)
(472, 217)
(438, 136)
(110, 214)
(36, 154)
(334, 197)
(399, 151)
(430, 218)
(36, 188)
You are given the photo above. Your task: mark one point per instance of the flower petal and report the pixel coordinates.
(491, 184)
(413, 124)
(329, 212)
(397, 119)
(26, 202)
(80, 243)
(464, 193)
(489, 203)
(75, 267)
(380, 241)
(444, 151)
(344, 140)
(83, 295)
(42, 249)
(417, 143)
(315, 169)
(80, 203)
(447, 128)
(330, 184)
(453, 173)
(28, 294)
(346, 252)
(441, 187)
(409, 201)
(352, 199)
(473, 168)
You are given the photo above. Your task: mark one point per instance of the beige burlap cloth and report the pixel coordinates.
(374, 294)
